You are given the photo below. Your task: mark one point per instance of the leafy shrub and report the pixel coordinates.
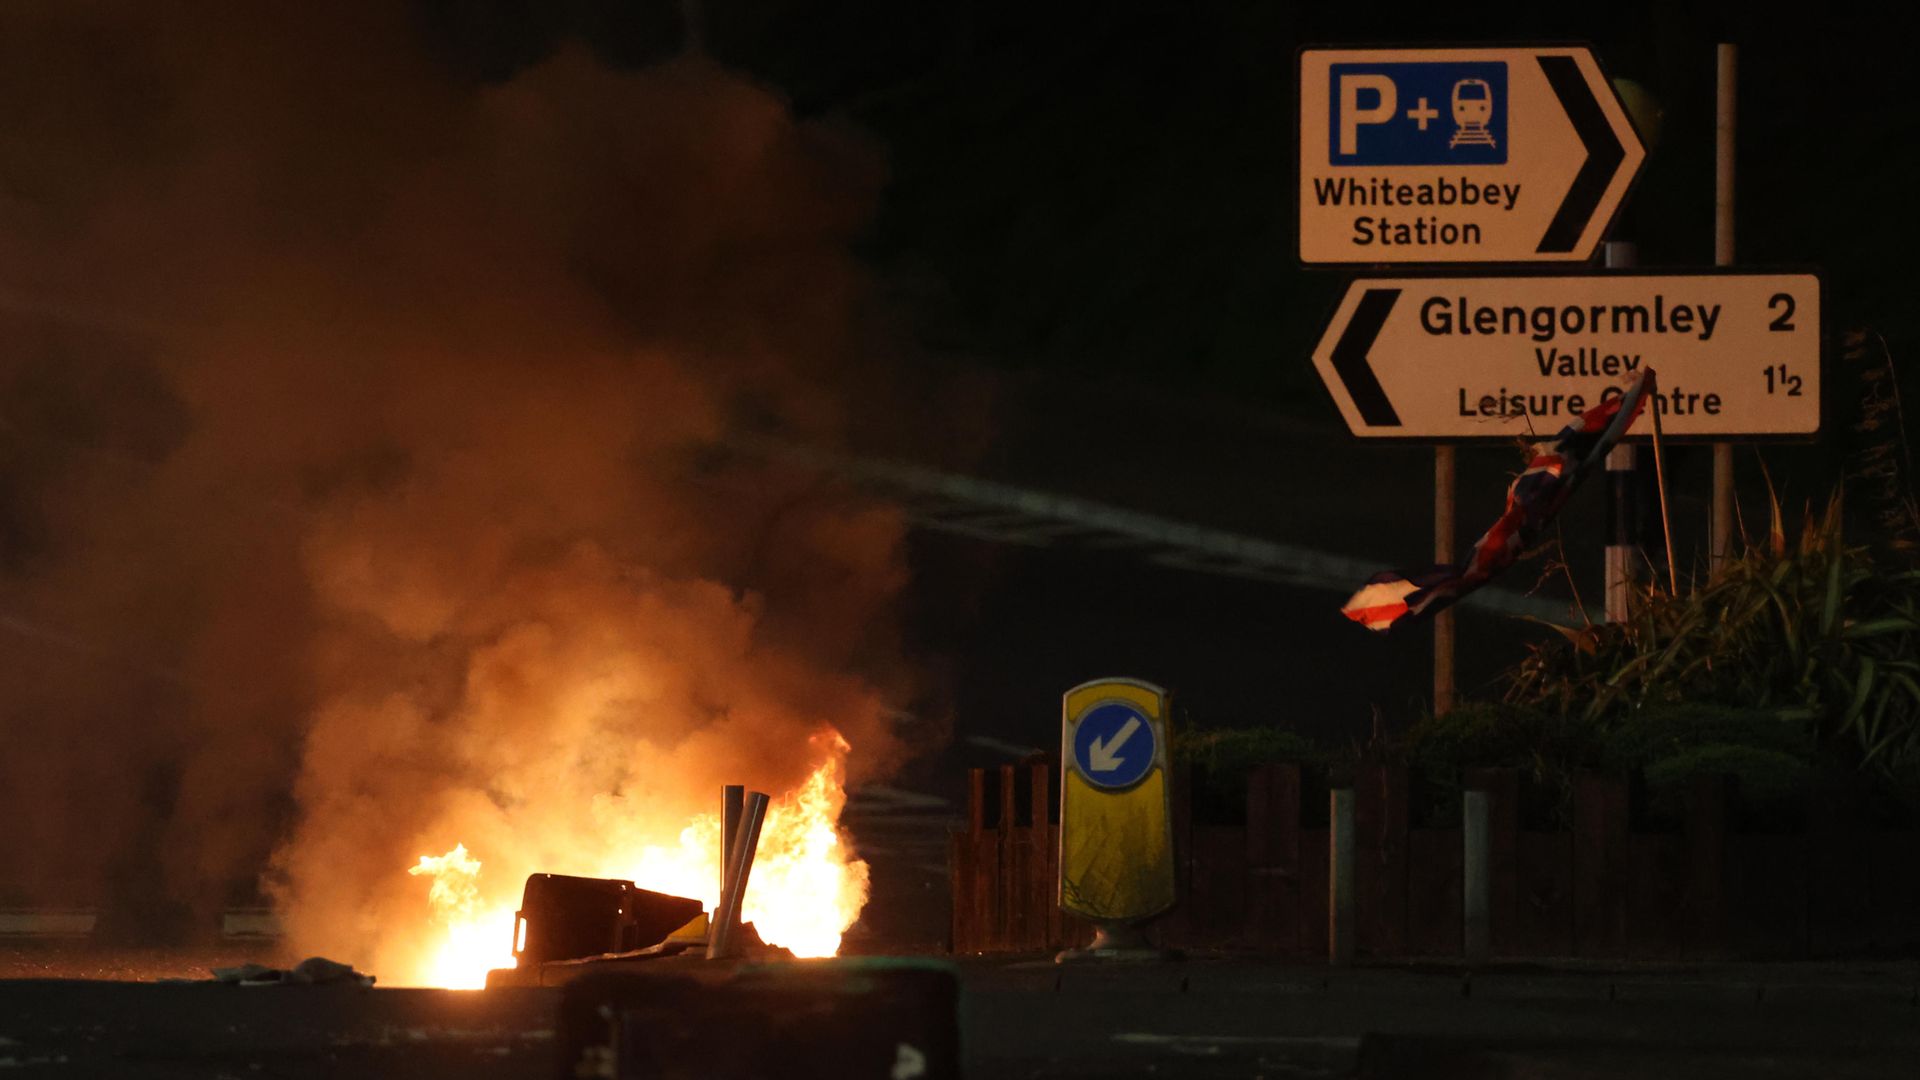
(1238, 749)
(1636, 740)
(1483, 734)
(1815, 635)
(1770, 782)
(1545, 747)
(1222, 758)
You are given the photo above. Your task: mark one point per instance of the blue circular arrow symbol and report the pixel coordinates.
(1114, 745)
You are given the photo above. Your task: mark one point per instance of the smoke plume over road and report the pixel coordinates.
(358, 484)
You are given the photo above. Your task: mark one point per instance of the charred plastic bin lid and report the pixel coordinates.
(565, 918)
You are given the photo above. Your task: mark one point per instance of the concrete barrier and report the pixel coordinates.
(47, 922)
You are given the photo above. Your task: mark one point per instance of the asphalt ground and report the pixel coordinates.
(1027, 1017)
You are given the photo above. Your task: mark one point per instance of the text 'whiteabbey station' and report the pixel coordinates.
(1404, 228)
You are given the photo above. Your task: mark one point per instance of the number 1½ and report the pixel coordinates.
(1778, 379)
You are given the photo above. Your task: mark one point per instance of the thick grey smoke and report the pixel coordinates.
(357, 472)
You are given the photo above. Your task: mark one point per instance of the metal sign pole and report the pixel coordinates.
(1721, 523)
(1623, 492)
(1443, 531)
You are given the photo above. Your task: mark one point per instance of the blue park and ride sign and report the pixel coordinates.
(1460, 155)
(1417, 114)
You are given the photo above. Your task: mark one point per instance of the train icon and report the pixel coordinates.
(1418, 113)
(1472, 112)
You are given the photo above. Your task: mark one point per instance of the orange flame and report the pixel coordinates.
(805, 890)
(471, 946)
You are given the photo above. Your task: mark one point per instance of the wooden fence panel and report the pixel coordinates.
(1767, 895)
(1597, 890)
(1380, 859)
(1027, 923)
(1896, 890)
(1839, 881)
(1656, 895)
(1177, 926)
(976, 800)
(960, 874)
(1010, 928)
(1840, 893)
(973, 904)
(1219, 884)
(1543, 922)
(1600, 865)
(1708, 805)
(1313, 893)
(1038, 877)
(984, 849)
(1046, 892)
(1434, 881)
(1273, 858)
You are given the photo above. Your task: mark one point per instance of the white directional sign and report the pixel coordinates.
(1459, 155)
(1738, 354)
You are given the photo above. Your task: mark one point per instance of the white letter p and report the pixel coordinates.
(1352, 115)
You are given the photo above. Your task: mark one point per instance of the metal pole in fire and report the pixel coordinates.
(1721, 522)
(723, 942)
(732, 799)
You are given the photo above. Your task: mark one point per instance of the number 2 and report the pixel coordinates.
(1784, 321)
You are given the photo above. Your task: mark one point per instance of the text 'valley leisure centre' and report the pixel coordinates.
(1449, 316)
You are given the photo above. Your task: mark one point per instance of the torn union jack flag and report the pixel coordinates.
(1554, 469)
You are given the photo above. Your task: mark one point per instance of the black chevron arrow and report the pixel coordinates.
(1604, 154)
(1350, 357)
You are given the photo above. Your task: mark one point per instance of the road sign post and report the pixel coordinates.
(1444, 531)
(1459, 155)
(1442, 357)
(1720, 524)
(1624, 549)
(1116, 829)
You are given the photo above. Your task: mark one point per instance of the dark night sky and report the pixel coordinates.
(1097, 195)
(1104, 186)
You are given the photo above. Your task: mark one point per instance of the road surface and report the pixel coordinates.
(1206, 1017)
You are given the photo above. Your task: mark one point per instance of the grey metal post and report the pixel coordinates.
(1477, 888)
(723, 942)
(1721, 523)
(1340, 880)
(1443, 532)
(733, 798)
(1623, 503)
